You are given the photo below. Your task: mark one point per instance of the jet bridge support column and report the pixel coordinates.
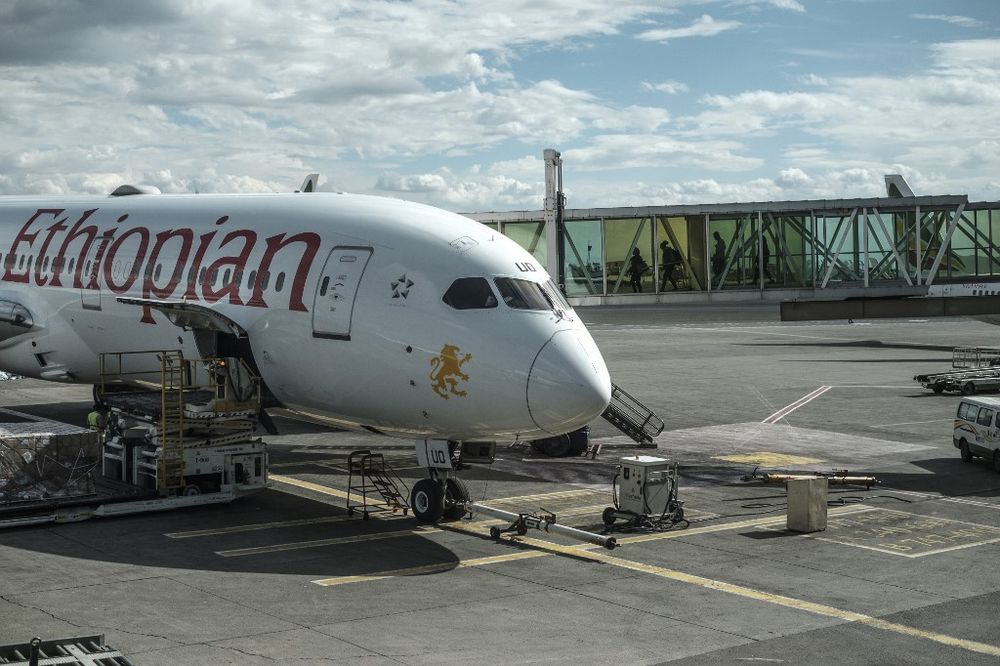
(554, 203)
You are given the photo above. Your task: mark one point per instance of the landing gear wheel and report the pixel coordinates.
(456, 494)
(495, 533)
(938, 388)
(427, 501)
(608, 516)
(678, 515)
(968, 388)
(996, 462)
(557, 447)
(963, 447)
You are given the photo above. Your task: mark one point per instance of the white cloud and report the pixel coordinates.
(632, 151)
(963, 21)
(669, 87)
(793, 178)
(703, 26)
(791, 5)
(814, 80)
(472, 190)
(220, 95)
(424, 182)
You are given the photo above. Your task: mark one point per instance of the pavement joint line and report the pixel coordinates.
(319, 543)
(432, 568)
(722, 527)
(253, 527)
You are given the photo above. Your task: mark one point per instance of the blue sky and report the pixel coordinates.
(452, 103)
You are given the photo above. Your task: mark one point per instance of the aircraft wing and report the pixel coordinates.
(191, 316)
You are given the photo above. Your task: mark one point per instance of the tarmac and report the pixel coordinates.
(905, 572)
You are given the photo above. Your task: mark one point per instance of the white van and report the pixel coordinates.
(977, 429)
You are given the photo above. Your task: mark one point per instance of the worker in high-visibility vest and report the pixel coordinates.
(96, 419)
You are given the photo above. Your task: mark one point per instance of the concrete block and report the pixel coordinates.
(807, 504)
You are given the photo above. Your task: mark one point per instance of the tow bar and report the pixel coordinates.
(546, 522)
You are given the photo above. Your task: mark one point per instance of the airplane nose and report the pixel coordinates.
(568, 385)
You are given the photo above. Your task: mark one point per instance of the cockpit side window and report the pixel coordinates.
(472, 293)
(523, 294)
(558, 299)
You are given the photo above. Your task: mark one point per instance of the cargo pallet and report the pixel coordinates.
(178, 433)
(974, 370)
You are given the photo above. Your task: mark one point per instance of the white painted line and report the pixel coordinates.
(804, 400)
(942, 498)
(234, 529)
(751, 329)
(892, 425)
(319, 543)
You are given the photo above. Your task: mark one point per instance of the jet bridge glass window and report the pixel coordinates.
(523, 294)
(471, 293)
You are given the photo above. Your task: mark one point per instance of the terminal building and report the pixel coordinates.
(775, 250)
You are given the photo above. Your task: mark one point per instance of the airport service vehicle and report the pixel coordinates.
(373, 313)
(977, 430)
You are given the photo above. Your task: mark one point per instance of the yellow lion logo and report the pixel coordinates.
(446, 371)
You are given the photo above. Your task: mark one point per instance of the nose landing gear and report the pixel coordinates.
(441, 496)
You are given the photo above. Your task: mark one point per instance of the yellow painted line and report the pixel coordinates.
(588, 552)
(319, 543)
(433, 568)
(327, 490)
(768, 597)
(319, 488)
(546, 496)
(768, 459)
(234, 529)
(722, 527)
(302, 463)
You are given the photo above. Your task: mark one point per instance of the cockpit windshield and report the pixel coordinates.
(522, 294)
(528, 295)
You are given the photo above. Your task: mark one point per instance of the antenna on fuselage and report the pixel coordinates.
(310, 183)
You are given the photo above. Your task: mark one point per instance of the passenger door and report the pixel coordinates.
(337, 291)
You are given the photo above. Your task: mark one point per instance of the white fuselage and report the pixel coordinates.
(342, 298)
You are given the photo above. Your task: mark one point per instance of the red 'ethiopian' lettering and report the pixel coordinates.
(138, 252)
(274, 244)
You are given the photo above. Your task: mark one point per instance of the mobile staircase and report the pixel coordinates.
(974, 370)
(376, 476)
(632, 417)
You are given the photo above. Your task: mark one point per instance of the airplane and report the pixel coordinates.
(378, 314)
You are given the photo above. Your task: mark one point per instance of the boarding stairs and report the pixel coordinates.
(632, 417)
(170, 464)
(373, 476)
